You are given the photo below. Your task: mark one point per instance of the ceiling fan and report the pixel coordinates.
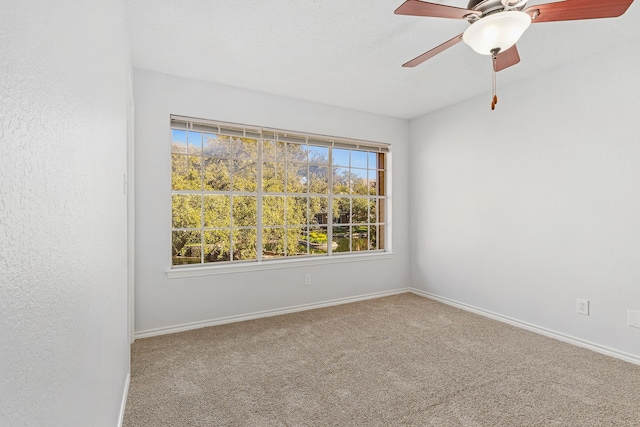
(496, 25)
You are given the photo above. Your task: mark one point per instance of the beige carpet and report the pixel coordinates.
(397, 361)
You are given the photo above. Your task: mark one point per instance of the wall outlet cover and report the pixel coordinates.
(582, 306)
(633, 318)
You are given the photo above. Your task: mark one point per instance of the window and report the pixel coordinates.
(251, 194)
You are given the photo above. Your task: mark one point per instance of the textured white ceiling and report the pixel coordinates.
(346, 53)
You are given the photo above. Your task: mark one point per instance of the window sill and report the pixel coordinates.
(236, 267)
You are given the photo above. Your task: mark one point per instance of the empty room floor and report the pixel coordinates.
(401, 360)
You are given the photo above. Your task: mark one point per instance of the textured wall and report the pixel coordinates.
(524, 209)
(63, 102)
(162, 302)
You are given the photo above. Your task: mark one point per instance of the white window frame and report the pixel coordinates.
(267, 134)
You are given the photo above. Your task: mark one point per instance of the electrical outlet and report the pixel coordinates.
(307, 279)
(633, 318)
(582, 306)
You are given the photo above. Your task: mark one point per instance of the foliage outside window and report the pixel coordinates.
(243, 194)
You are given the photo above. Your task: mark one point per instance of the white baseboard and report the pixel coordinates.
(627, 357)
(531, 327)
(267, 313)
(123, 404)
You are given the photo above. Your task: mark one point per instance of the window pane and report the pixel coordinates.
(185, 247)
(273, 242)
(318, 155)
(360, 210)
(215, 145)
(358, 159)
(296, 241)
(217, 246)
(194, 140)
(372, 182)
(373, 245)
(372, 160)
(297, 153)
(359, 181)
(296, 211)
(194, 177)
(318, 241)
(185, 172)
(373, 211)
(342, 238)
(318, 208)
(244, 244)
(341, 210)
(179, 171)
(273, 151)
(273, 177)
(186, 210)
(217, 176)
(178, 141)
(244, 176)
(341, 180)
(244, 211)
(296, 178)
(244, 148)
(273, 210)
(360, 238)
(319, 179)
(217, 211)
(340, 157)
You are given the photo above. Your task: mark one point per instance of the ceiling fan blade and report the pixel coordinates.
(507, 58)
(570, 10)
(423, 8)
(433, 52)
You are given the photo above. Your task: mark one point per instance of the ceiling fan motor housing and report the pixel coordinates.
(489, 6)
(473, 3)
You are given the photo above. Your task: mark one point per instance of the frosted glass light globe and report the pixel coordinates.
(498, 31)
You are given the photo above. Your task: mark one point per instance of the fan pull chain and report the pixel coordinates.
(494, 101)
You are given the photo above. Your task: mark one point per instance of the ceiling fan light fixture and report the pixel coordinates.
(497, 31)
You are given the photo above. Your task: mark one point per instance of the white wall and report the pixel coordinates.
(163, 303)
(522, 210)
(63, 97)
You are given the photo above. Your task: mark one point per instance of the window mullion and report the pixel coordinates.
(307, 226)
(202, 229)
(201, 201)
(231, 223)
(350, 225)
(330, 206)
(284, 199)
(259, 195)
